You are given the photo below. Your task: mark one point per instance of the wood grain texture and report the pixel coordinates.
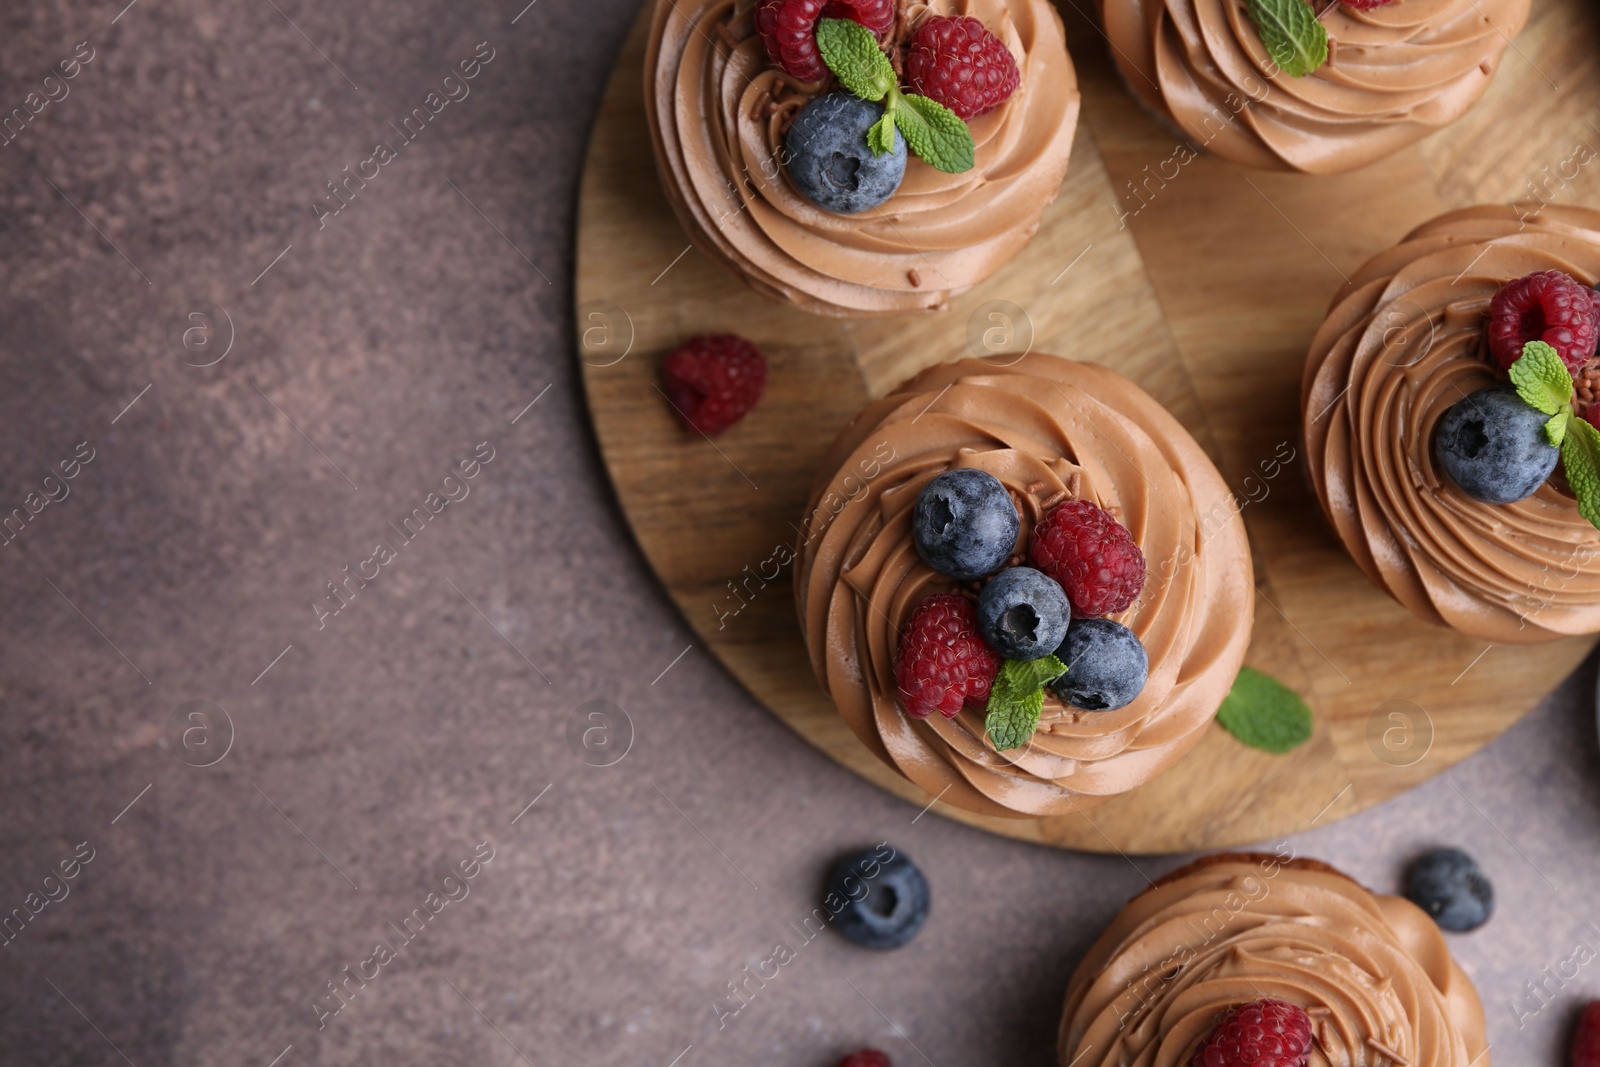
(1205, 289)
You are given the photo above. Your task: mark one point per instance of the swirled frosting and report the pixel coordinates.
(1373, 972)
(1394, 74)
(718, 114)
(1044, 426)
(1403, 342)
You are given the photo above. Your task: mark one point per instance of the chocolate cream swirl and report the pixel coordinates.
(1043, 426)
(1402, 342)
(1373, 972)
(1394, 74)
(718, 114)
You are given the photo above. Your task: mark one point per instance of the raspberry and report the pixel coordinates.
(943, 662)
(788, 29)
(714, 380)
(1586, 1042)
(1546, 306)
(1091, 555)
(867, 1057)
(961, 65)
(1266, 1033)
(1365, 5)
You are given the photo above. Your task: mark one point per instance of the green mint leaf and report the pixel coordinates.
(1027, 675)
(1017, 699)
(1011, 723)
(852, 53)
(1297, 42)
(1555, 430)
(1542, 380)
(1580, 458)
(880, 138)
(1264, 713)
(934, 132)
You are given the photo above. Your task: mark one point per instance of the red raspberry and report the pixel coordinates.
(867, 1057)
(1546, 306)
(1586, 1042)
(943, 662)
(961, 65)
(714, 380)
(788, 28)
(1267, 1033)
(1365, 5)
(1091, 555)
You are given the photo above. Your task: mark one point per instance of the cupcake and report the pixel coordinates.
(1354, 977)
(1360, 80)
(763, 150)
(1410, 415)
(1025, 587)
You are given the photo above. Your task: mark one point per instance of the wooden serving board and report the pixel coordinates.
(1206, 289)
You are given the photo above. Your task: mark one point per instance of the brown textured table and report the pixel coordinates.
(373, 749)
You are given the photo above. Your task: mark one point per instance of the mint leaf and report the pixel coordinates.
(1555, 430)
(880, 138)
(1011, 723)
(934, 132)
(1580, 458)
(1297, 42)
(1264, 713)
(1542, 380)
(1017, 700)
(852, 53)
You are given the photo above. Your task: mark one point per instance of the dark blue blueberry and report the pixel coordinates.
(1492, 445)
(1449, 885)
(964, 524)
(878, 898)
(1106, 665)
(828, 158)
(1023, 614)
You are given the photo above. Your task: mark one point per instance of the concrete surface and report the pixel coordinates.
(373, 750)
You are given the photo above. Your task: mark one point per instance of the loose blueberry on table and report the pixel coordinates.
(890, 910)
(1449, 885)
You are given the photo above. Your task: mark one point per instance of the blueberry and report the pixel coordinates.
(1492, 445)
(878, 898)
(1023, 614)
(1449, 885)
(964, 524)
(1106, 665)
(828, 158)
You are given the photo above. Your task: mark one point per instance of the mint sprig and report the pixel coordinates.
(852, 53)
(1017, 700)
(935, 133)
(1544, 384)
(1264, 713)
(1297, 42)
